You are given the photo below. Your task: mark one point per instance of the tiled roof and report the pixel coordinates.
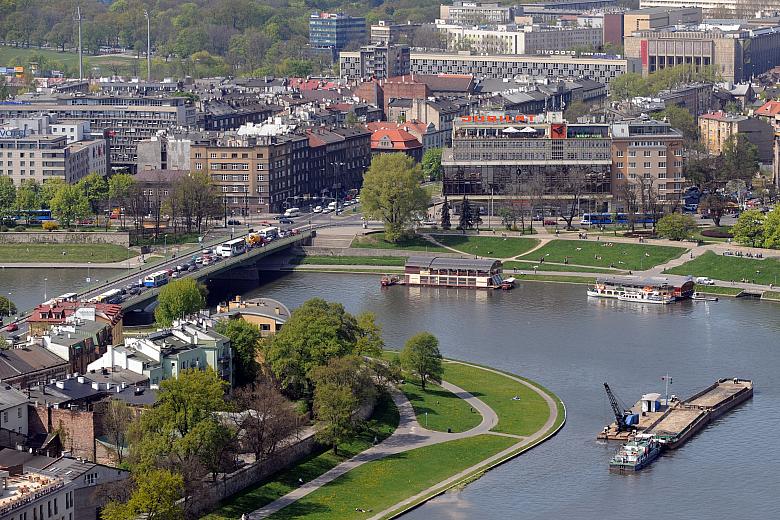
(770, 108)
(400, 139)
(19, 361)
(58, 312)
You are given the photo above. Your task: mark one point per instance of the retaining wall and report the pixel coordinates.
(64, 237)
(359, 251)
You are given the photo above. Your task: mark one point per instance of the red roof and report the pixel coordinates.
(770, 108)
(58, 312)
(399, 139)
(311, 84)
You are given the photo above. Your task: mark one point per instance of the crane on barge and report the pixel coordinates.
(621, 413)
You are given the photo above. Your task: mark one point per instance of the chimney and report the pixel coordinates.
(278, 310)
(80, 379)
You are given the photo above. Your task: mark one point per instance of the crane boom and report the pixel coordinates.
(620, 414)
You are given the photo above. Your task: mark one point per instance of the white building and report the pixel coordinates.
(34, 495)
(13, 411)
(722, 8)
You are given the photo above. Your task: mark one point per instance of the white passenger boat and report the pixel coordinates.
(652, 291)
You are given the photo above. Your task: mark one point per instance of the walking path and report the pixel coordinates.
(410, 435)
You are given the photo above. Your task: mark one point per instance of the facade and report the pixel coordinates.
(396, 140)
(658, 17)
(510, 39)
(13, 410)
(165, 151)
(648, 154)
(268, 314)
(476, 13)
(26, 365)
(730, 8)
(335, 30)
(393, 33)
(736, 51)
(377, 61)
(79, 342)
(715, 129)
(453, 272)
(602, 70)
(30, 495)
(336, 161)
(500, 157)
(436, 115)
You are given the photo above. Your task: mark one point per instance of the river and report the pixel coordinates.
(553, 334)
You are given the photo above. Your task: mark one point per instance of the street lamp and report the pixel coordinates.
(44, 289)
(9, 305)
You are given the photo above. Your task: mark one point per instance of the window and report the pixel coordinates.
(619, 175)
(647, 153)
(632, 153)
(620, 153)
(198, 166)
(619, 165)
(19, 413)
(647, 164)
(5, 417)
(213, 155)
(632, 165)
(661, 153)
(678, 153)
(662, 164)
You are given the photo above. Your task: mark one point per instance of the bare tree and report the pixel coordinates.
(628, 192)
(569, 192)
(115, 418)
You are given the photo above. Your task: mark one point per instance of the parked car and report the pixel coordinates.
(234, 222)
(11, 327)
(318, 209)
(703, 280)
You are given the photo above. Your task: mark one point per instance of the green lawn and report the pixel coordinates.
(771, 295)
(380, 484)
(523, 417)
(557, 278)
(721, 267)
(443, 408)
(13, 55)
(377, 241)
(600, 254)
(546, 266)
(382, 424)
(495, 247)
(718, 289)
(39, 253)
(350, 260)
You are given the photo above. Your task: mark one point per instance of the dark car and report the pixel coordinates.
(285, 220)
(234, 222)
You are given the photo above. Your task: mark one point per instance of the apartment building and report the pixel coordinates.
(602, 70)
(476, 13)
(647, 154)
(511, 39)
(716, 128)
(719, 8)
(378, 61)
(393, 33)
(13, 410)
(337, 159)
(34, 495)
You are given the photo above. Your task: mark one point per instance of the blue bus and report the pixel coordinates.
(156, 279)
(596, 219)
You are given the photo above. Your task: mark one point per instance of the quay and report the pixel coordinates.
(675, 422)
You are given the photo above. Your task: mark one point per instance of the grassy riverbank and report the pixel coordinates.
(73, 253)
(734, 268)
(383, 423)
(377, 241)
(592, 253)
(438, 409)
(488, 246)
(528, 265)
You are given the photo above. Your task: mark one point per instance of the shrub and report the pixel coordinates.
(19, 228)
(676, 226)
(50, 225)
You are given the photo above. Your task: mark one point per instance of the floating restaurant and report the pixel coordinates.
(455, 272)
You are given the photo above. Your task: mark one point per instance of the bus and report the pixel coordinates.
(112, 296)
(596, 219)
(67, 297)
(156, 279)
(269, 233)
(232, 248)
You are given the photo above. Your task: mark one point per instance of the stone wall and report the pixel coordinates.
(78, 428)
(64, 237)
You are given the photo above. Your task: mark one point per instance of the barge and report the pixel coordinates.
(656, 291)
(467, 273)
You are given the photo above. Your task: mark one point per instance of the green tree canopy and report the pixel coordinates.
(28, 195)
(675, 226)
(627, 86)
(431, 164)
(245, 343)
(95, 189)
(7, 307)
(681, 120)
(740, 158)
(445, 214)
(155, 497)
(49, 190)
(421, 357)
(392, 193)
(7, 194)
(749, 228)
(771, 229)
(69, 204)
(576, 109)
(178, 299)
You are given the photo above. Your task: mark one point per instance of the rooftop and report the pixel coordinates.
(438, 262)
(25, 360)
(22, 489)
(770, 108)
(10, 397)
(723, 117)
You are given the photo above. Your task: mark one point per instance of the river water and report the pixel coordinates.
(553, 334)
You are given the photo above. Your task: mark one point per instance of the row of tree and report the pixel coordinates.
(757, 229)
(632, 84)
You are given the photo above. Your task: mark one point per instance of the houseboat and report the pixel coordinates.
(453, 272)
(641, 290)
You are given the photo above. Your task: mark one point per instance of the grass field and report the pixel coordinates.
(13, 55)
(560, 268)
(718, 289)
(720, 267)
(382, 424)
(377, 241)
(444, 409)
(558, 278)
(40, 253)
(350, 260)
(599, 254)
(380, 484)
(494, 247)
(518, 417)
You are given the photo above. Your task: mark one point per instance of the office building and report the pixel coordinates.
(336, 30)
(720, 8)
(602, 70)
(476, 13)
(659, 17)
(511, 39)
(377, 61)
(393, 33)
(648, 154)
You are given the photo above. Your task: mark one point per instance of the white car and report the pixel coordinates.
(703, 280)
(318, 209)
(326, 210)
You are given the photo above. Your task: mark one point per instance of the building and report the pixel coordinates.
(737, 51)
(337, 160)
(649, 154)
(476, 13)
(34, 495)
(602, 70)
(659, 17)
(470, 273)
(719, 8)
(268, 314)
(393, 33)
(59, 312)
(697, 98)
(716, 128)
(13, 410)
(501, 157)
(25, 365)
(221, 115)
(78, 341)
(436, 115)
(395, 140)
(164, 354)
(529, 39)
(377, 61)
(769, 112)
(166, 151)
(336, 30)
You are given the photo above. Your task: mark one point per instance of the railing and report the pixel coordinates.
(32, 497)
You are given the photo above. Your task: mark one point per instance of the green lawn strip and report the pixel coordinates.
(494, 247)
(554, 278)
(600, 254)
(519, 417)
(734, 268)
(377, 241)
(382, 424)
(379, 484)
(74, 253)
(771, 295)
(443, 408)
(350, 260)
(718, 289)
(547, 266)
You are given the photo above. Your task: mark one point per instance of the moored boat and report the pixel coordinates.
(508, 283)
(648, 290)
(636, 454)
(700, 297)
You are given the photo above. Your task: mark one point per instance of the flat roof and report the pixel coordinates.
(439, 262)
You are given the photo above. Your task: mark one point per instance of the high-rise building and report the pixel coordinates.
(720, 8)
(476, 13)
(335, 30)
(377, 61)
(393, 33)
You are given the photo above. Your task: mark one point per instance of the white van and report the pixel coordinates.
(332, 205)
(292, 212)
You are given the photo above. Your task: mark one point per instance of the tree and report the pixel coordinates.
(421, 357)
(7, 307)
(749, 228)
(245, 343)
(628, 192)
(681, 120)
(570, 190)
(392, 193)
(431, 164)
(69, 204)
(155, 497)
(740, 158)
(95, 189)
(676, 226)
(316, 332)
(115, 418)
(334, 409)
(772, 228)
(445, 215)
(28, 195)
(714, 205)
(369, 335)
(48, 190)
(268, 421)
(466, 217)
(575, 110)
(7, 194)
(178, 299)
(627, 86)
(119, 189)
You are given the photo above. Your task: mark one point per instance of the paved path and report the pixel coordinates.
(408, 436)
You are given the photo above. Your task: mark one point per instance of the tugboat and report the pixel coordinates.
(508, 283)
(636, 454)
(388, 280)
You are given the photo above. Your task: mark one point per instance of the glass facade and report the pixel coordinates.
(335, 30)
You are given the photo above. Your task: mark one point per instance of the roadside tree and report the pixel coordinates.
(69, 205)
(95, 189)
(48, 190)
(421, 357)
(119, 189)
(466, 215)
(431, 164)
(714, 205)
(740, 158)
(772, 229)
(245, 340)
(7, 195)
(392, 193)
(445, 215)
(334, 409)
(676, 226)
(7, 307)
(28, 195)
(749, 228)
(178, 299)
(155, 497)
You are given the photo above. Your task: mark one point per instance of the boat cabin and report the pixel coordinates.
(453, 272)
(660, 286)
